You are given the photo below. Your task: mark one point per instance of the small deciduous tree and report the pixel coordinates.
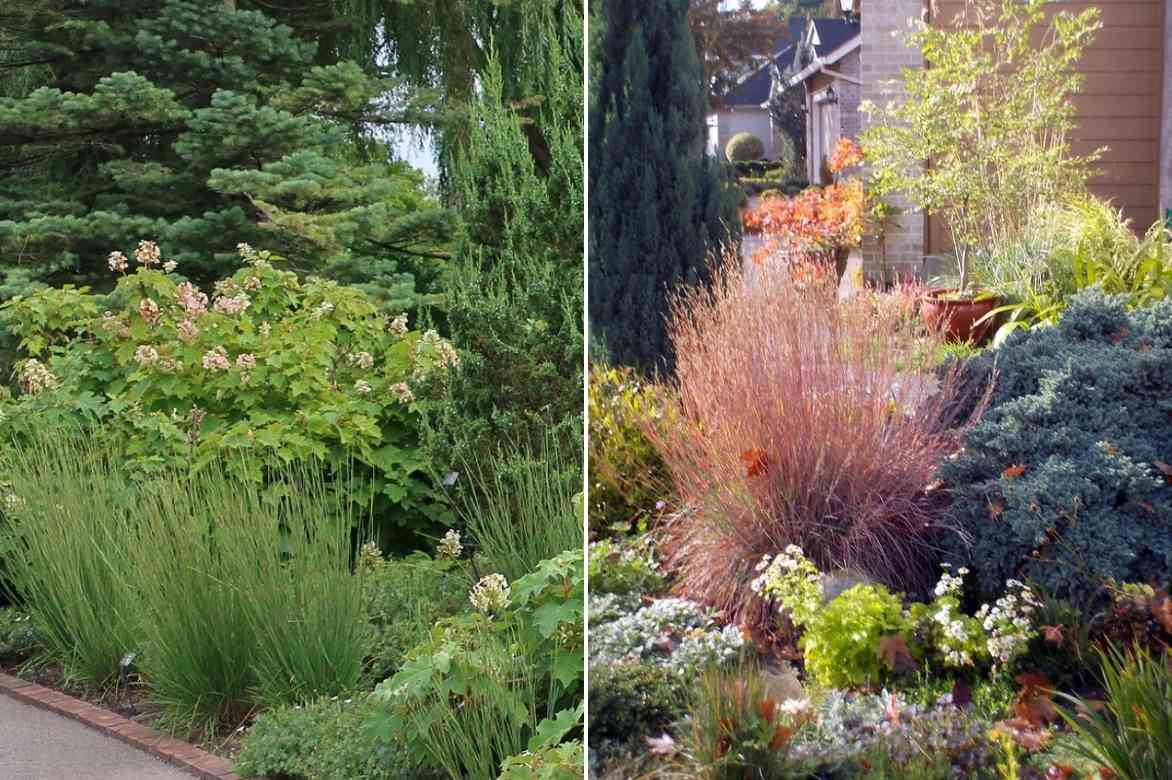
(981, 136)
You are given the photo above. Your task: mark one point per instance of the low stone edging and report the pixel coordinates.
(175, 752)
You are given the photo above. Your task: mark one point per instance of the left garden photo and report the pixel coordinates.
(291, 415)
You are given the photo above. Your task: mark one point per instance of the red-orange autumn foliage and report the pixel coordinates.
(814, 224)
(818, 222)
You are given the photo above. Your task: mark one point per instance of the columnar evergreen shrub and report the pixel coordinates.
(1066, 480)
(514, 293)
(658, 206)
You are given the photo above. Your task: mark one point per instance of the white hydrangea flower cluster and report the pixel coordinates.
(792, 580)
(491, 594)
(146, 355)
(450, 546)
(35, 377)
(1009, 621)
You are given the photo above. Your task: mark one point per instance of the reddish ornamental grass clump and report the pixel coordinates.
(796, 425)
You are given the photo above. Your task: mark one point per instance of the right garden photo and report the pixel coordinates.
(880, 390)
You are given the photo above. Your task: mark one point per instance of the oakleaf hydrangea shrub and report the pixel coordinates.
(1065, 481)
(268, 364)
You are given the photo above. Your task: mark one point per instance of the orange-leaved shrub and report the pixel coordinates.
(801, 420)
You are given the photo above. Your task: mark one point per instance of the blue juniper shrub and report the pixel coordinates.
(1064, 480)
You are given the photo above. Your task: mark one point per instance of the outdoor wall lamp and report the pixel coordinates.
(850, 10)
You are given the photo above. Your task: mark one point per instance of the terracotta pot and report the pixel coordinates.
(957, 318)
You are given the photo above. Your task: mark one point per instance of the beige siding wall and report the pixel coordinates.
(1120, 107)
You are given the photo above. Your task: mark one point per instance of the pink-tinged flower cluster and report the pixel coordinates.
(444, 351)
(35, 377)
(402, 392)
(112, 324)
(192, 300)
(150, 311)
(147, 254)
(170, 266)
(234, 305)
(246, 361)
(253, 283)
(362, 387)
(146, 355)
(216, 360)
(363, 360)
(398, 326)
(187, 330)
(117, 262)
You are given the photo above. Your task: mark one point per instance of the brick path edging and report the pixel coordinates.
(180, 754)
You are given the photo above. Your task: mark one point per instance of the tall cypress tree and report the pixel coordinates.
(658, 206)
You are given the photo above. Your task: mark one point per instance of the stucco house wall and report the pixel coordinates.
(731, 121)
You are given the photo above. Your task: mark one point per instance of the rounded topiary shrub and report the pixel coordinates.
(744, 146)
(1065, 482)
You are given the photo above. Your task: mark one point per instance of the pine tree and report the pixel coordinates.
(200, 126)
(659, 208)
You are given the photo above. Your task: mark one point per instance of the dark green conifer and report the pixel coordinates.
(659, 208)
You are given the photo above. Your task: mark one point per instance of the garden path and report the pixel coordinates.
(39, 745)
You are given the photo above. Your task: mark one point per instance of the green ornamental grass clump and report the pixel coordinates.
(1065, 482)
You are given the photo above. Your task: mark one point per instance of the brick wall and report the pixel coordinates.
(849, 94)
(883, 55)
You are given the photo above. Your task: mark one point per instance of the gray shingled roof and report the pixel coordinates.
(754, 89)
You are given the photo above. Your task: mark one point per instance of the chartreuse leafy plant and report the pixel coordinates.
(496, 682)
(864, 635)
(627, 475)
(282, 369)
(991, 115)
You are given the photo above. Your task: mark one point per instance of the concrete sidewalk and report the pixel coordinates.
(39, 745)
